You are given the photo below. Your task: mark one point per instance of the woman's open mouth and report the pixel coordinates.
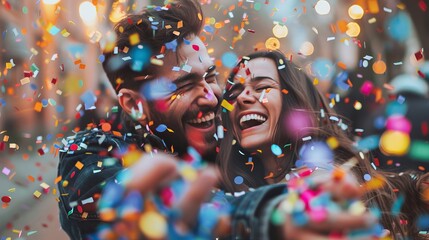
(251, 120)
(204, 121)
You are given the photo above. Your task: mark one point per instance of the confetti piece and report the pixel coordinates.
(238, 180)
(272, 43)
(153, 225)
(134, 39)
(228, 106)
(280, 31)
(394, 143)
(276, 150)
(37, 194)
(79, 165)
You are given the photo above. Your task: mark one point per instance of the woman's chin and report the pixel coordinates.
(253, 143)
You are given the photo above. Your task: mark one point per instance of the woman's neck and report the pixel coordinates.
(274, 166)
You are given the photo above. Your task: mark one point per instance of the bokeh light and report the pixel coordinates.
(356, 12)
(88, 13)
(306, 49)
(353, 29)
(322, 7)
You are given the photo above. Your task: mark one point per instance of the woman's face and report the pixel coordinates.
(257, 107)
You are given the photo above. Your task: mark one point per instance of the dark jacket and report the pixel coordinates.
(90, 159)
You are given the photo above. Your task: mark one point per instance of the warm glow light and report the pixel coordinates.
(88, 13)
(280, 31)
(118, 13)
(356, 12)
(353, 29)
(307, 48)
(322, 7)
(51, 1)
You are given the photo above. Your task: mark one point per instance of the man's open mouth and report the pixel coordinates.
(205, 121)
(251, 120)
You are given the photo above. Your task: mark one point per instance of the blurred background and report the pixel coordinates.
(52, 83)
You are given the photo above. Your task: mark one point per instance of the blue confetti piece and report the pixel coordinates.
(44, 102)
(399, 27)
(323, 69)
(60, 109)
(161, 128)
(229, 59)
(276, 150)
(397, 205)
(368, 143)
(423, 222)
(238, 180)
(101, 58)
(89, 99)
(209, 29)
(171, 45)
(341, 80)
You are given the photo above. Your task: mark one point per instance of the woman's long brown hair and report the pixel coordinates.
(302, 94)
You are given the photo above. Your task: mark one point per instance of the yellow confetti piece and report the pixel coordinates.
(200, 17)
(65, 183)
(37, 194)
(376, 182)
(157, 62)
(177, 33)
(25, 81)
(9, 65)
(65, 33)
(228, 106)
(131, 158)
(332, 142)
(170, 130)
(134, 39)
(153, 225)
(189, 173)
(79, 165)
(394, 143)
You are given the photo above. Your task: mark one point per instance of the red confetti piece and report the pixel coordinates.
(251, 30)
(74, 147)
(200, 114)
(6, 199)
(423, 6)
(54, 81)
(425, 128)
(28, 73)
(248, 72)
(419, 55)
(195, 47)
(41, 152)
(422, 75)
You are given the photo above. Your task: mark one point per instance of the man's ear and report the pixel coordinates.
(134, 105)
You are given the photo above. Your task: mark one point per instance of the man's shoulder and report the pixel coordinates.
(94, 139)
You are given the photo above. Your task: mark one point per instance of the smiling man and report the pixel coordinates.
(189, 98)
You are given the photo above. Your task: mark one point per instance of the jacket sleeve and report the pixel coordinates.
(87, 162)
(252, 212)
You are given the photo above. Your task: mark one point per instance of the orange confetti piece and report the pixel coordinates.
(285, 91)
(252, 164)
(270, 175)
(106, 127)
(179, 24)
(30, 178)
(58, 179)
(38, 107)
(79, 165)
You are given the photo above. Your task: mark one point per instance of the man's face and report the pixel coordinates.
(191, 108)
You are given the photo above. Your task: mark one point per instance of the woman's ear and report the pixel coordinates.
(134, 105)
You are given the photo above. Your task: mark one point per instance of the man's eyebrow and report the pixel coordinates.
(185, 78)
(191, 76)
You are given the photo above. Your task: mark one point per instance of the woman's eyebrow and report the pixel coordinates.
(259, 78)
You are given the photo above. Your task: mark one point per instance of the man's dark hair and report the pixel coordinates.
(155, 27)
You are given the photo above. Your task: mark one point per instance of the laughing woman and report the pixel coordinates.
(279, 121)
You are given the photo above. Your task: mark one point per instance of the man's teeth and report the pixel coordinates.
(256, 117)
(205, 118)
